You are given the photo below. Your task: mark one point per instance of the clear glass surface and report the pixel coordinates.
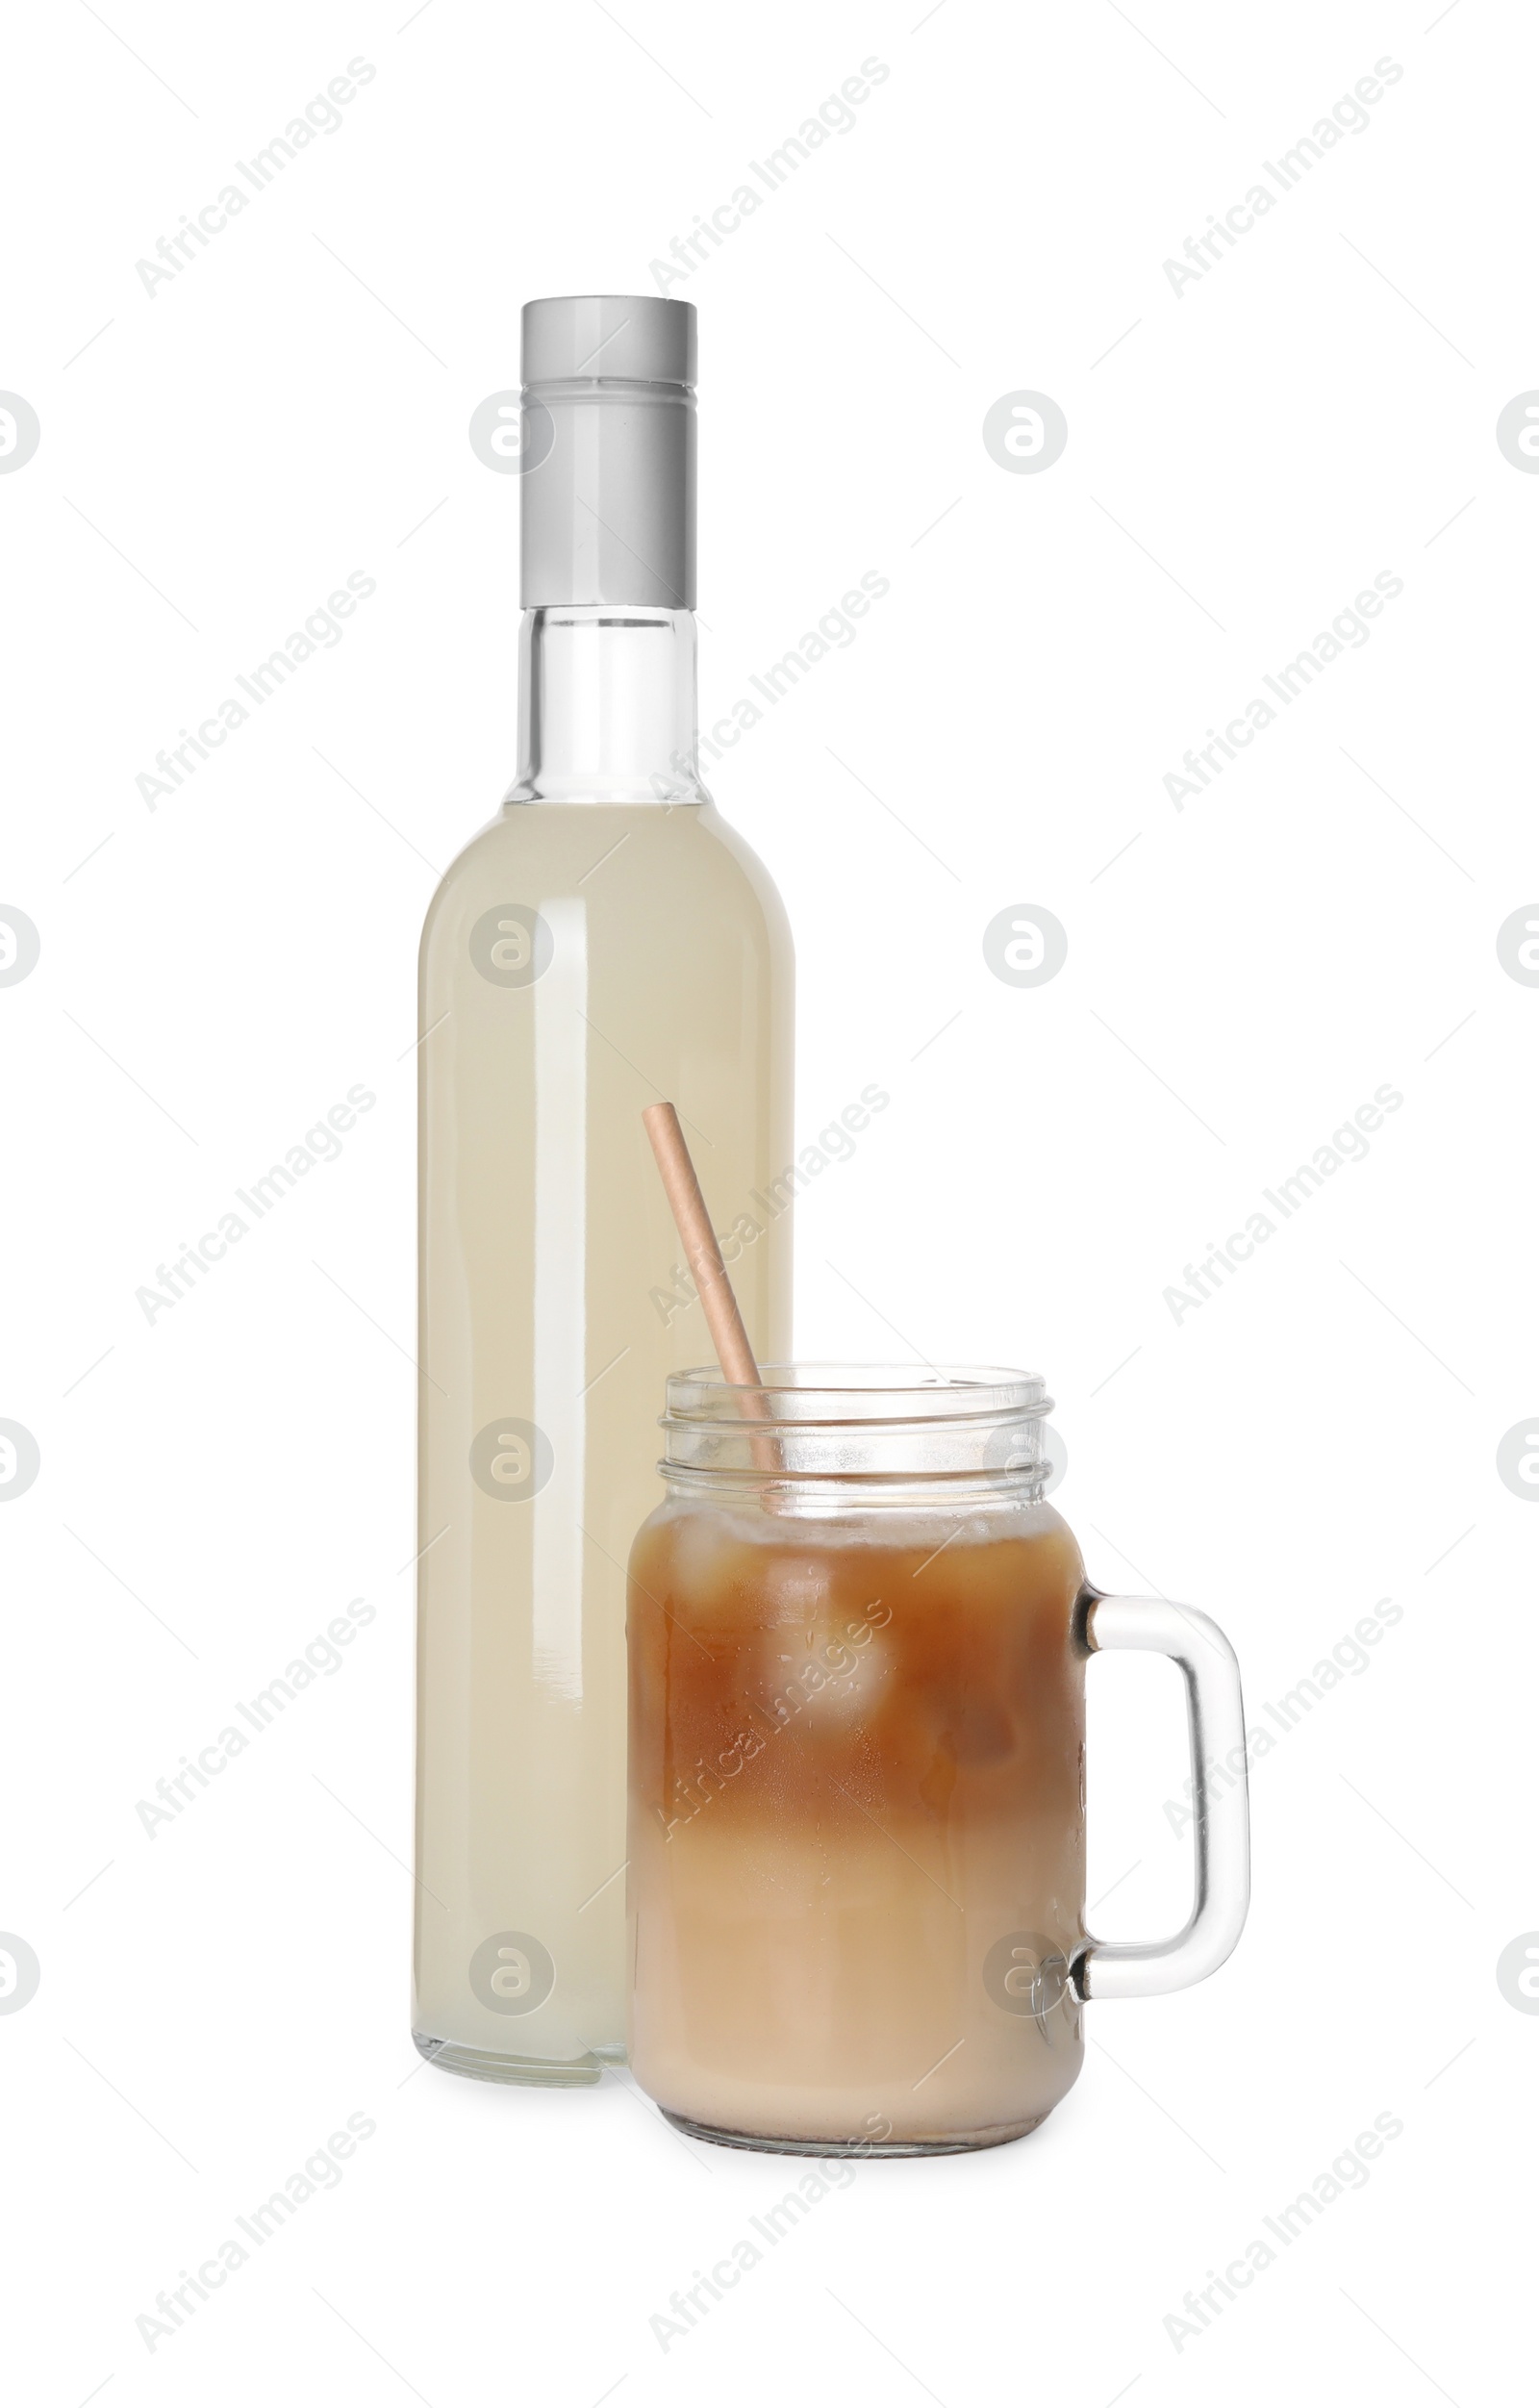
(602, 944)
(856, 1845)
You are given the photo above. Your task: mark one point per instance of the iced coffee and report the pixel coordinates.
(856, 1793)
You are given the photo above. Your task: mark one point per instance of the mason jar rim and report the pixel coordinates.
(859, 1392)
(858, 1428)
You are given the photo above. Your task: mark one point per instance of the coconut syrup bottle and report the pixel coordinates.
(605, 943)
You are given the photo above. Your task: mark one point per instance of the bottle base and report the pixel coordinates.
(960, 2145)
(487, 2064)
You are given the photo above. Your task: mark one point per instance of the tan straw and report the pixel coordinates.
(703, 1255)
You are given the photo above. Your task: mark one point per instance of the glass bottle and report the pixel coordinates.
(606, 942)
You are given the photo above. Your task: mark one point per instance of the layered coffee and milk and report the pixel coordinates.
(856, 1822)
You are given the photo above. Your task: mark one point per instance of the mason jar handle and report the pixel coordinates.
(1117, 1968)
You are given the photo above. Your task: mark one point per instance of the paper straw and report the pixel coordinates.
(703, 1255)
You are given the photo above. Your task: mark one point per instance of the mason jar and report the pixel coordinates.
(857, 1636)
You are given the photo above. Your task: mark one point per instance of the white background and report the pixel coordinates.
(1242, 974)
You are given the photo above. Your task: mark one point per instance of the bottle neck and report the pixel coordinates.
(607, 705)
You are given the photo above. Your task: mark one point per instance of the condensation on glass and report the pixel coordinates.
(857, 1767)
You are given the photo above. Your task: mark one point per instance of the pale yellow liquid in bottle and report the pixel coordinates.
(659, 966)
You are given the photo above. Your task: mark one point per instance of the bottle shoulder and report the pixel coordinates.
(672, 860)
